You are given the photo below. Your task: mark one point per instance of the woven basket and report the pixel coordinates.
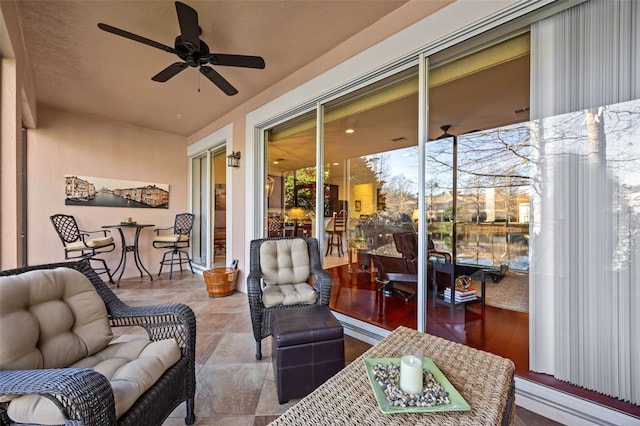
(220, 281)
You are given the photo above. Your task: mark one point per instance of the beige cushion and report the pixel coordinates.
(93, 243)
(56, 319)
(288, 294)
(171, 238)
(131, 367)
(50, 319)
(284, 261)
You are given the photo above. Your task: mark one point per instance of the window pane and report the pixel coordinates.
(291, 177)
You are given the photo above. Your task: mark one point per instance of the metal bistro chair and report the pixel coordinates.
(176, 242)
(77, 245)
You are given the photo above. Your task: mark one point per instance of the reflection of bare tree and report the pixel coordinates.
(400, 198)
(500, 158)
(361, 171)
(493, 173)
(496, 158)
(587, 228)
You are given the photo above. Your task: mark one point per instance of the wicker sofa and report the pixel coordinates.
(65, 320)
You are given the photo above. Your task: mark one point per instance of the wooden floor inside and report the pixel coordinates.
(499, 331)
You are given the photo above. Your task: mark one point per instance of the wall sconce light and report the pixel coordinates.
(233, 159)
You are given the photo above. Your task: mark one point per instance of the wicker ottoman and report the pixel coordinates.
(307, 348)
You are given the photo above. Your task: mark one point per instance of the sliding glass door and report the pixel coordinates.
(291, 177)
(371, 169)
(479, 162)
(209, 204)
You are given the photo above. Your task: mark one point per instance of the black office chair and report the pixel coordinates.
(78, 245)
(176, 241)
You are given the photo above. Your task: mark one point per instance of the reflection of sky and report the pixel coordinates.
(494, 158)
(567, 134)
(484, 153)
(112, 184)
(623, 141)
(400, 162)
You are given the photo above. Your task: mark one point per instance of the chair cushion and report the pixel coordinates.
(171, 238)
(288, 294)
(93, 243)
(131, 367)
(284, 261)
(50, 319)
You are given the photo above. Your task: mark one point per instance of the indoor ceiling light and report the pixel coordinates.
(349, 131)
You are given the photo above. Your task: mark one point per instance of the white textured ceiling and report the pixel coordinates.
(77, 66)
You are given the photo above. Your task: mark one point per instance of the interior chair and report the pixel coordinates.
(401, 277)
(176, 241)
(275, 227)
(284, 273)
(337, 226)
(432, 251)
(78, 245)
(407, 245)
(393, 277)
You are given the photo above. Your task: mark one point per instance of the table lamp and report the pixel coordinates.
(415, 216)
(297, 213)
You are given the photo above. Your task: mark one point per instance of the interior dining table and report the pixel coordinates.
(129, 248)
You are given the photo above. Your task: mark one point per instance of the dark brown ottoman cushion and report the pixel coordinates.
(307, 347)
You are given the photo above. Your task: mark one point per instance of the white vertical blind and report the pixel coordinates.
(585, 244)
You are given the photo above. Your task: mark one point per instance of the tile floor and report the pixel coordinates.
(232, 387)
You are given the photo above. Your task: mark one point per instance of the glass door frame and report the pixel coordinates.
(219, 141)
(261, 176)
(510, 19)
(204, 205)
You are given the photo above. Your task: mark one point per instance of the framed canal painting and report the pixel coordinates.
(105, 192)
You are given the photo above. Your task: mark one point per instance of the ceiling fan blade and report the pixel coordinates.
(218, 80)
(189, 28)
(135, 37)
(236, 60)
(169, 72)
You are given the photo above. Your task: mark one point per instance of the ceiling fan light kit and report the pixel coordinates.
(192, 51)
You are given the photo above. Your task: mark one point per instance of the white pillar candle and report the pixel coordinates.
(411, 374)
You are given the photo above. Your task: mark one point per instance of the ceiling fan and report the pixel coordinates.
(192, 51)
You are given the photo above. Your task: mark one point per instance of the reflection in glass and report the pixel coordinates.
(291, 177)
(491, 184)
(586, 240)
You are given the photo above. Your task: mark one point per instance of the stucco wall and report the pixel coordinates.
(80, 144)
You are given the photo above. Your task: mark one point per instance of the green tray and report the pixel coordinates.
(457, 401)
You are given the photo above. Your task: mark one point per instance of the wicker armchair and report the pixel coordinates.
(261, 314)
(85, 396)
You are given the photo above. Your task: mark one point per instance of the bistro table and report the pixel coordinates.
(484, 380)
(129, 248)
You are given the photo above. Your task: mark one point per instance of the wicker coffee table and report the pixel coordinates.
(484, 380)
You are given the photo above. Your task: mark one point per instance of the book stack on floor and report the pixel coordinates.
(461, 296)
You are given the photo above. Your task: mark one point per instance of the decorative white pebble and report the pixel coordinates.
(388, 376)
